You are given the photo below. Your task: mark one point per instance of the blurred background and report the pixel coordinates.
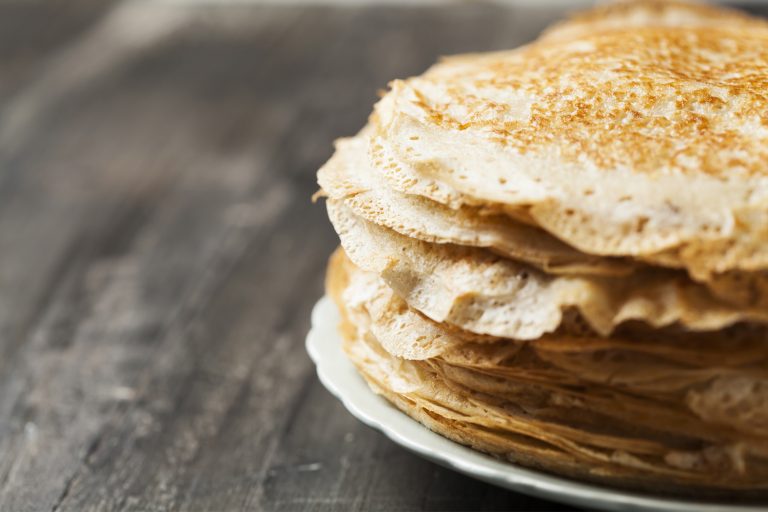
(160, 255)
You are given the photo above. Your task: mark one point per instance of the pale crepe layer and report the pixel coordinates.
(547, 414)
(622, 143)
(408, 334)
(348, 177)
(479, 292)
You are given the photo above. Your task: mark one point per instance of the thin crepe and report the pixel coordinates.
(479, 292)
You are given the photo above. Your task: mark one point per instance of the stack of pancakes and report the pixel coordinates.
(558, 254)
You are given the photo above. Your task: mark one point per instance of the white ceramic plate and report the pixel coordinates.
(339, 376)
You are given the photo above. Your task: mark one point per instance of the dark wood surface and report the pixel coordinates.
(159, 253)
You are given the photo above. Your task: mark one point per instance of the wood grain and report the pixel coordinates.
(160, 253)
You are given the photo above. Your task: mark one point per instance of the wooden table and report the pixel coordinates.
(160, 253)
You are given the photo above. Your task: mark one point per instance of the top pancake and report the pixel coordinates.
(648, 143)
